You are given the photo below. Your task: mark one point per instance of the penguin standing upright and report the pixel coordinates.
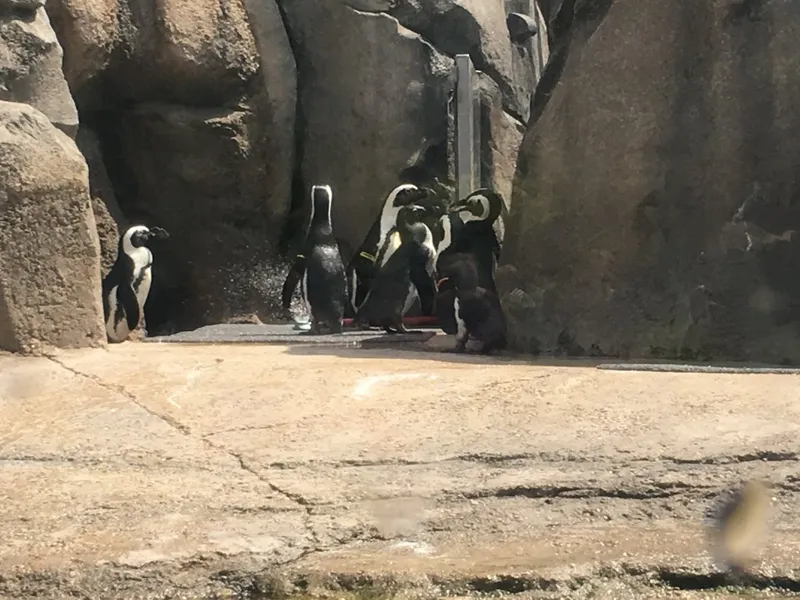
(365, 264)
(469, 245)
(319, 268)
(423, 273)
(478, 212)
(392, 289)
(126, 286)
(477, 311)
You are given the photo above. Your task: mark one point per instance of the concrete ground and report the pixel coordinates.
(246, 471)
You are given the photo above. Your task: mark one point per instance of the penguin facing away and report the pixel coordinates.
(319, 268)
(423, 274)
(477, 312)
(365, 264)
(388, 297)
(126, 286)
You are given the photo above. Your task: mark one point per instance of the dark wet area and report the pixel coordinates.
(286, 333)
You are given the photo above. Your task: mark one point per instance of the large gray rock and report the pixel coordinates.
(30, 63)
(623, 239)
(49, 252)
(374, 100)
(372, 94)
(193, 105)
(198, 53)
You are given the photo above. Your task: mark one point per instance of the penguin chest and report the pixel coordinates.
(142, 279)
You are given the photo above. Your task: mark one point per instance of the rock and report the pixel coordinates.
(199, 53)
(49, 252)
(201, 175)
(367, 108)
(629, 180)
(193, 106)
(107, 214)
(30, 63)
(474, 27)
(501, 137)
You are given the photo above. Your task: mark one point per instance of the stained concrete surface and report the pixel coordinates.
(283, 333)
(193, 471)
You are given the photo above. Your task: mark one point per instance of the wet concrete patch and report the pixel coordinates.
(285, 333)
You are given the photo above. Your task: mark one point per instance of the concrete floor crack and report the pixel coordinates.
(118, 389)
(316, 543)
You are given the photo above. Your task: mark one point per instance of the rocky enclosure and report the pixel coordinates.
(653, 197)
(213, 118)
(655, 208)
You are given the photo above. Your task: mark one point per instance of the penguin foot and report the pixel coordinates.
(460, 347)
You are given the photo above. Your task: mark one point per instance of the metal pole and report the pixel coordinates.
(465, 126)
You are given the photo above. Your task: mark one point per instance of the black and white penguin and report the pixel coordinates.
(380, 241)
(423, 274)
(393, 288)
(478, 212)
(477, 312)
(467, 243)
(319, 268)
(127, 285)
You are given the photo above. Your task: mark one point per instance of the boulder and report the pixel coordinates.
(30, 63)
(193, 105)
(371, 100)
(206, 176)
(49, 252)
(198, 53)
(657, 191)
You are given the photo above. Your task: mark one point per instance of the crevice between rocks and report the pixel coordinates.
(295, 219)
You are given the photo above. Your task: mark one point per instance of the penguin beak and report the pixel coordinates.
(157, 233)
(458, 208)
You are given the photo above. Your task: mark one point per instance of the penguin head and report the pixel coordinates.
(406, 194)
(139, 235)
(481, 205)
(321, 200)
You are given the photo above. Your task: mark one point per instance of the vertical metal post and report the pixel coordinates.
(465, 126)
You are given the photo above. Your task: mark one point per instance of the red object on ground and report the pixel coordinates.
(409, 321)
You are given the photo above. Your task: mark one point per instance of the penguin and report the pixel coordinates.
(467, 236)
(319, 268)
(126, 286)
(423, 274)
(365, 264)
(477, 312)
(392, 288)
(478, 212)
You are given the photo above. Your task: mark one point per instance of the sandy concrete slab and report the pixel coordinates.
(197, 467)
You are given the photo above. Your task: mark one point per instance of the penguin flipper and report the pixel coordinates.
(292, 277)
(129, 300)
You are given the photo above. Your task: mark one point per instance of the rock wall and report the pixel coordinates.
(193, 109)
(30, 63)
(49, 251)
(657, 191)
(212, 119)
